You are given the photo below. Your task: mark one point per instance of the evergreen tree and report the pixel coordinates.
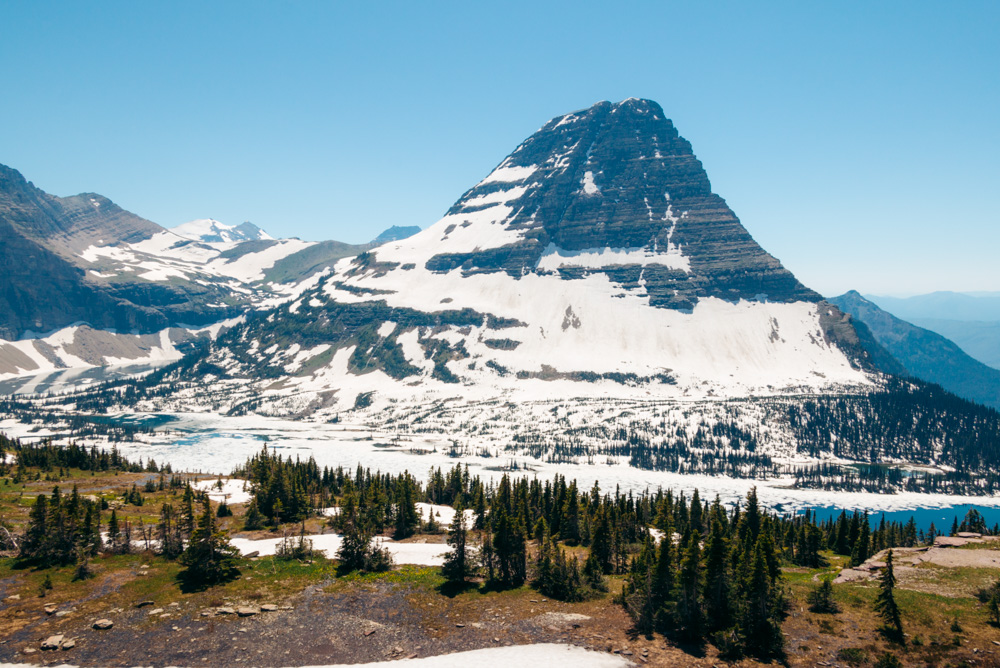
(407, 516)
(718, 584)
(114, 534)
(34, 538)
(253, 519)
(885, 602)
(690, 615)
(760, 623)
(638, 590)
(821, 600)
(209, 557)
(510, 547)
(168, 533)
(458, 564)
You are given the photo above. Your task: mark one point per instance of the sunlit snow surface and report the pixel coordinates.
(492, 657)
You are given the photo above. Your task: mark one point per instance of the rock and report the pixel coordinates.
(29, 650)
(268, 607)
(175, 604)
(156, 611)
(225, 611)
(246, 612)
(103, 624)
(251, 555)
(63, 613)
(50, 610)
(68, 644)
(14, 597)
(969, 534)
(52, 642)
(143, 604)
(459, 626)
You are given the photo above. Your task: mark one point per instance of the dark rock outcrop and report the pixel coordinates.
(619, 176)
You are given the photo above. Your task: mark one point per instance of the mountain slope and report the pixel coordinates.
(84, 282)
(926, 354)
(981, 340)
(594, 261)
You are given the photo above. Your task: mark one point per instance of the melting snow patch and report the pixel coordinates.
(589, 187)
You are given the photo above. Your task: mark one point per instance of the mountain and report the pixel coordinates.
(395, 233)
(925, 354)
(966, 307)
(212, 231)
(590, 301)
(981, 340)
(593, 261)
(87, 283)
(972, 320)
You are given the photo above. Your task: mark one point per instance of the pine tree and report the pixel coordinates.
(760, 623)
(718, 584)
(114, 534)
(355, 547)
(168, 533)
(637, 592)
(407, 516)
(209, 557)
(509, 544)
(885, 602)
(458, 565)
(34, 538)
(253, 520)
(820, 599)
(690, 615)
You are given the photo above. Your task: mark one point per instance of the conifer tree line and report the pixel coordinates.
(48, 457)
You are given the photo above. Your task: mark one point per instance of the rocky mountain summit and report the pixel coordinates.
(593, 261)
(614, 189)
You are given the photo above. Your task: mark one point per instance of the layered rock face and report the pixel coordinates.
(594, 261)
(616, 189)
(67, 224)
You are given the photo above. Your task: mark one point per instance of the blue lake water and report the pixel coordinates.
(942, 518)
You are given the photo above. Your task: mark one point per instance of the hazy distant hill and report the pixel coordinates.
(972, 320)
(926, 354)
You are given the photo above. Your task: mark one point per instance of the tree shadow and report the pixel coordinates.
(453, 589)
(892, 635)
(190, 582)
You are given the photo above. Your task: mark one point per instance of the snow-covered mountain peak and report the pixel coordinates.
(593, 261)
(208, 230)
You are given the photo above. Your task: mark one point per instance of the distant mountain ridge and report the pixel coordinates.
(925, 354)
(212, 231)
(87, 283)
(972, 320)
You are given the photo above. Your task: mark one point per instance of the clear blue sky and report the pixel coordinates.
(858, 144)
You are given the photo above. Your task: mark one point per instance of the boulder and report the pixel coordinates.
(103, 624)
(143, 604)
(69, 643)
(225, 611)
(52, 642)
(246, 612)
(268, 607)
